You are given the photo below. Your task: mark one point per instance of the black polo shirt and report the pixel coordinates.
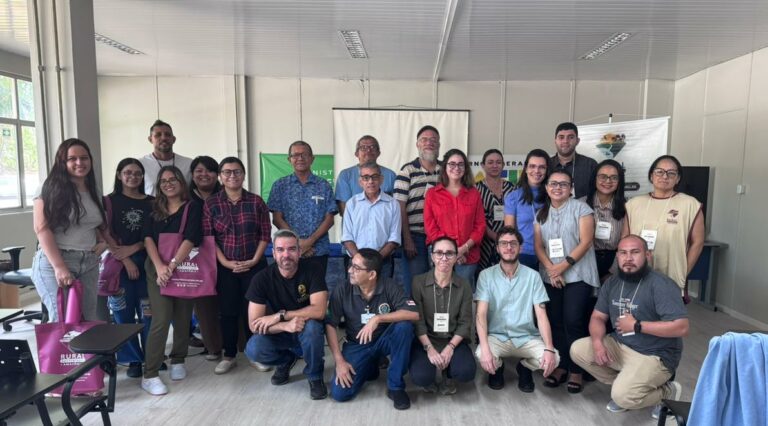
(580, 169)
(270, 288)
(347, 301)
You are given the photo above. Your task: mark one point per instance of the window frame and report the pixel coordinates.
(19, 124)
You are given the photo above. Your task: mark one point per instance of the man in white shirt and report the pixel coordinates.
(162, 139)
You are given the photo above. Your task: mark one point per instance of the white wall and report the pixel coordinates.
(720, 121)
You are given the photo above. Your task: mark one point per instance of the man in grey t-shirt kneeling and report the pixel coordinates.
(640, 356)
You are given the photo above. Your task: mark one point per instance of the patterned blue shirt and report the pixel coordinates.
(304, 206)
(348, 182)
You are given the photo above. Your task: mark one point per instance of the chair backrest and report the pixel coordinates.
(15, 358)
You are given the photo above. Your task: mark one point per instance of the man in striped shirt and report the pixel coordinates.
(413, 181)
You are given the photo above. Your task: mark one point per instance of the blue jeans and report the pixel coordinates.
(281, 348)
(417, 265)
(131, 306)
(84, 266)
(395, 342)
(467, 271)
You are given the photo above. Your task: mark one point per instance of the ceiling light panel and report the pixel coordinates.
(354, 43)
(607, 45)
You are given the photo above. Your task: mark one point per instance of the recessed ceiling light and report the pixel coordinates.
(354, 43)
(116, 44)
(607, 45)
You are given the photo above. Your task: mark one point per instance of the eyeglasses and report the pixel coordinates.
(510, 244)
(128, 173)
(453, 165)
(608, 178)
(368, 178)
(171, 181)
(431, 140)
(368, 148)
(232, 172)
(555, 184)
(302, 155)
(670, 173)
(447, 255)
(358, 268)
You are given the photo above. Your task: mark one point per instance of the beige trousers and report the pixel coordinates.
(530, 353)
(636, 379)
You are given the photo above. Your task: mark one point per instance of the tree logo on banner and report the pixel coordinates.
(611, 144)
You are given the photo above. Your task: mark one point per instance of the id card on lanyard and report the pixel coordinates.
(441, 320)
(365, 317)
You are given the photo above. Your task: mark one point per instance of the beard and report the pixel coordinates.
(635, 277)
(510, 261)
(430, 156)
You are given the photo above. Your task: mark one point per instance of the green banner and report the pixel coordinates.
(275, 166)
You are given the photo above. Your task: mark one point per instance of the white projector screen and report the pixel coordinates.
(396, 132)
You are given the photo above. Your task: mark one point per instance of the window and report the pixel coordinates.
(19, 162)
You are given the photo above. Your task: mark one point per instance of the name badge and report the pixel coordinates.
(556, 248)
(603, 230)
(498, 213)
(649, 235)
(364, 318)
(440, 324)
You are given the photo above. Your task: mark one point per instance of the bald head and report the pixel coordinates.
(632, 254)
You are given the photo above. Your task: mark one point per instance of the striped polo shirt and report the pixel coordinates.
(410, 186)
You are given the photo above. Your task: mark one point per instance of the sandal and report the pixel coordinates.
(574, 387)
(552, 382)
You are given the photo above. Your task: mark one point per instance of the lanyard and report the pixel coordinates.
(631, 301)
(434, 295)
(648, 206)
(600, 207)
(173, 160)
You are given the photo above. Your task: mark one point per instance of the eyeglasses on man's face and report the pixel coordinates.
(368, 178)
(508, 243)
(357, 268)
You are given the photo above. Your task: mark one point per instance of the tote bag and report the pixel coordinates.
(194, 276)
(109, 267)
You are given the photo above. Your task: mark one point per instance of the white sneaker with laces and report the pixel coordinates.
(178, 372)
(154, 386)
(224, 366)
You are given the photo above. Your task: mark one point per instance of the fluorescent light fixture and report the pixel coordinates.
(354, 43)
(116, 44)
(607, 45)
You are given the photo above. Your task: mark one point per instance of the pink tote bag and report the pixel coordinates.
(195, 276)
(109, 267)
(53, 339)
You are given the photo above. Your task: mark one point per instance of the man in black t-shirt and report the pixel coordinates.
(298, 296)
(378, 316)
(640, 356)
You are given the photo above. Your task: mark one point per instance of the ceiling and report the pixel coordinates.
(416, 39)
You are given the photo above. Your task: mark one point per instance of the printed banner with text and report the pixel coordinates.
(275, 166)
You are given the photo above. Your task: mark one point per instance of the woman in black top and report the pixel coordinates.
(205, 182)
(128, 207)
(167, 213)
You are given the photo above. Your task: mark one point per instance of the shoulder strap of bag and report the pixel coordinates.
(184, 217)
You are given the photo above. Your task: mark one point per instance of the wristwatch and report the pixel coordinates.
(571, 261)
(638, 327)
(173, 263)
(426, 348)
(282, 314)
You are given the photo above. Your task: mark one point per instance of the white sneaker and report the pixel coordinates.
(213, 357)
(224, 366)
(670, 390)
(613, 407)
(178, 372)
(260, 367)
(154, 386)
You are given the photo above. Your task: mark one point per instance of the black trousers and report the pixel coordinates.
(233, 306)
(566, 311)
(462, 367)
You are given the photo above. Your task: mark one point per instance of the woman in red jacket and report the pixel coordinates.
(454, 209)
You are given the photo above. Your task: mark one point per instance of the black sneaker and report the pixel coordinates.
(496, 380)
(525, 379)
(383, 363)
(134, 370)
(400, 398)
(317, 389)
(283, 372)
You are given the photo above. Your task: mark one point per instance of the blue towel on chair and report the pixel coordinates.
(731, 389)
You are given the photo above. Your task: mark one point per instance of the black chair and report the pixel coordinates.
(102, 340)
(21, 278)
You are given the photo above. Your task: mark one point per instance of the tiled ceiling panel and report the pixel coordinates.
(487, 40)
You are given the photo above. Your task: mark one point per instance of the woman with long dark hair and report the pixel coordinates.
(520, 205)
(129, 207)
(453, 209)
(205, 183)
(563, 233)
(606, 198)
(493, 189)
(166, 217)
(69, 222)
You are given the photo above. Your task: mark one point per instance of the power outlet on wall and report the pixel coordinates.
(741, 189)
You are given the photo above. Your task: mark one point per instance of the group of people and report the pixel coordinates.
(562, 271)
